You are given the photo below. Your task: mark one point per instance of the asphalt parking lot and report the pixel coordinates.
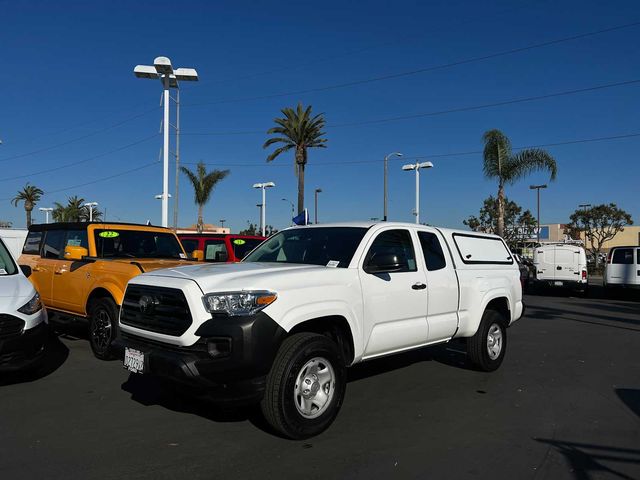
(565, 404)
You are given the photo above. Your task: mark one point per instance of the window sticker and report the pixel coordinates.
(182, 255)
(333, 263)
(74, 242)
(3, 271)
(239, 241)
(108, 234)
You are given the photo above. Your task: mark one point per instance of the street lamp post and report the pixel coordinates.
(46, 212)
(163, 70)
(386, 174)
(417, 166)
(293, 209)
(263, 213)
(222, 220)
(538, 187)
(317, 191)
(90, 206)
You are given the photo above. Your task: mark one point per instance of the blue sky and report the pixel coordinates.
(67, 77)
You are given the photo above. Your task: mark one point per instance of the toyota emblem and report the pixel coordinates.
(146, 303)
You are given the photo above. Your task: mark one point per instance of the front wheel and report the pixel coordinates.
(486, 349)
(305, 387)
(103, 320)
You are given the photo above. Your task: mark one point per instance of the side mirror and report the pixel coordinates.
(74, 253)
(197, 255)
(386, 263)
(26, 270)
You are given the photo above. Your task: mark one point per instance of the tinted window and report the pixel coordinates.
(32, 244)
(432, 250)
(77, 238)
(189, 245)
(7, 265)
(395, 242)
(215, 251)
(53, 244)
(330, 246)
(242, 246)
(623, 256)
(137, 244)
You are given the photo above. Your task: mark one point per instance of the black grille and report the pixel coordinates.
(10, 326)
(156, 309)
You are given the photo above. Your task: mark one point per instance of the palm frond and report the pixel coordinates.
(530, 160)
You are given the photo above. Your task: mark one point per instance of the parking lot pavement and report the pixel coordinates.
(564, 405)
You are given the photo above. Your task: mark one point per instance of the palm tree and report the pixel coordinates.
(508, 167)
(203, 184)
(297, 130)
(30, 195)
(73, 211)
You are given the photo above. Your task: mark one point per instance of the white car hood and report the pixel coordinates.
(15, 286)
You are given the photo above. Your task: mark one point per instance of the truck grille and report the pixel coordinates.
(10, 326)
(156, 309)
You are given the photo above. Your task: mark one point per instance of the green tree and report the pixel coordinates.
(518, 225)
(599, 224)
(73, 211)
(203, 183)
(298, 130)
(507, 167)
(30, 195)
(254, 229)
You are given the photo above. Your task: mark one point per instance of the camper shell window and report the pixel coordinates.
(481, 250)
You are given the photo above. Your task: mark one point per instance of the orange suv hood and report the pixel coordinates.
(150, 264)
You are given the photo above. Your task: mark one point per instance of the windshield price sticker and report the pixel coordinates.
(108, 234)
(333, 263)
(239, 241)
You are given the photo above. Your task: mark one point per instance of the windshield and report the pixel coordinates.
(242, 246)
(115, 243)
(7, 265)
(330, 246)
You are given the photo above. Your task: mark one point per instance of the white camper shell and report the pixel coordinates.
(561, 265)
(623, 268)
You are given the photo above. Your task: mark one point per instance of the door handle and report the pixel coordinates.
(61, 271)
(418, 286)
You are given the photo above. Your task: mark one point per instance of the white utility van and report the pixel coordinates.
(561, 265)
(13, 239)
(23, 320)
(623, 268)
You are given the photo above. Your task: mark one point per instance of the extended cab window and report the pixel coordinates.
(396, 242)
(432, 250)
(623, 256)
(32, 243)
(215, 251)
(53, 244)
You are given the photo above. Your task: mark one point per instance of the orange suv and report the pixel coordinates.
(81, 270)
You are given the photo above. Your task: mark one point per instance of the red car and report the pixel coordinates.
(220, 247)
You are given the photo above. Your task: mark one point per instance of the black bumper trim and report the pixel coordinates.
(25, 350)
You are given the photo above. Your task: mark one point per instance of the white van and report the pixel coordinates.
(561, 265)
(623, 268)
(23, 320)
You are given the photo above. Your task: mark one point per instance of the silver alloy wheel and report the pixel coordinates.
(315, 384)
(101, 331)
(494, 341)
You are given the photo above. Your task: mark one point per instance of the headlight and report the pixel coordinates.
(238, 303)
(32, 306)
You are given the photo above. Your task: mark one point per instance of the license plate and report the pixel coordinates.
(133, 360)
(558, 284)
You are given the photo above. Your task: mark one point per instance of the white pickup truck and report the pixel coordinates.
(281, 327)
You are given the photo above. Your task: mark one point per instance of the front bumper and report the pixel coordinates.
(24, 350)
(236, 371)
(572, 284)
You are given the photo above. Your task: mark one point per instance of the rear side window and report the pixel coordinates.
(215, 251)
(32, 243)
(476, 249)
(432, 250)
(397, 242)
(189, 245)
(623, 256)
(77, 238)
(53, 244)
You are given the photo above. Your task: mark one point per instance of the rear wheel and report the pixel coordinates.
(305, 387)
(486, 349)
(103, 321)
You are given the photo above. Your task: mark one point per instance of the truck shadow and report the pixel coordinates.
(55, 355)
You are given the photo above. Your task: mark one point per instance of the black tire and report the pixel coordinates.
(103, 326)
(280, 403)
(478, 345)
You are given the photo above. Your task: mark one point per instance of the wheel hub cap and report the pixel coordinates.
(314, 387)
(494, 341)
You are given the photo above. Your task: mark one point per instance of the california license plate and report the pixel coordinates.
(133, 360)
(558, 284)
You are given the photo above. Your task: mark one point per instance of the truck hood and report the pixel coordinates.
(254, 275)
(16, 286)
(151, 264)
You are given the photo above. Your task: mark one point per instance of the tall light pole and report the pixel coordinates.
(293, 209)
(222, 220)
(263, 212)
(316, 192)
(386, 174)
(417, 166)
(46, 212)
(90, 206)
(538, 187)
(163, 70)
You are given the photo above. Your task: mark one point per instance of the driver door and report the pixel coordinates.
(395, 303)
